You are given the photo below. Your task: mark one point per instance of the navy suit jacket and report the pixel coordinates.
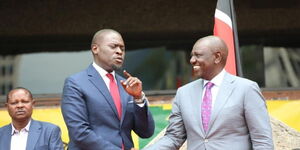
(41, 136)
(91, 116)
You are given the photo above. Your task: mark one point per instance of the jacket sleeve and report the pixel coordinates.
(257, 118)
(55, 139)
(175, 134)
(143, 122)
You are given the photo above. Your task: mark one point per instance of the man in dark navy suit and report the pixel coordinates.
(100, 107)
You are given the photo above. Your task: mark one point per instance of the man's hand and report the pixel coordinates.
(132, 85)
(133, 149)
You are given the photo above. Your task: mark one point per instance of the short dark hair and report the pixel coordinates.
(19, 88)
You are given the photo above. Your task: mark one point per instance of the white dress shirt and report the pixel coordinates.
(19, 138)
(103, 73)
(217, 80)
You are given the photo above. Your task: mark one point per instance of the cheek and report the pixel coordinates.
(29, 108)
(201, 62)
(11, 111)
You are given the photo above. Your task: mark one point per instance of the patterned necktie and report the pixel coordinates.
(206, 106)
(115, 94)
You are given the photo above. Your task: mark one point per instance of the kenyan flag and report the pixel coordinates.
(225, 27)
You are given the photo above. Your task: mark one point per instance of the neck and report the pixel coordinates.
(108, 69)
(20, 124)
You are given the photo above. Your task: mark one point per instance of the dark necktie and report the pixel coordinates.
(206, 106)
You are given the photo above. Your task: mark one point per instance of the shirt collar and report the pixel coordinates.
(217, 80)
(101, 71)
(14, 130)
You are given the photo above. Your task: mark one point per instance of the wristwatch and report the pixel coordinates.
(140, 100)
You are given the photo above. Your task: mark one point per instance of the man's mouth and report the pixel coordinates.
(119, 60)
(196, 67)
(20, 112)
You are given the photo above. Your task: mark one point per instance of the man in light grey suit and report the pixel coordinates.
(231, 115)
(25, 133)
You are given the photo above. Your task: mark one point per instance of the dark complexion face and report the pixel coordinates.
(109, 51)
(202, 60)
(20, 105)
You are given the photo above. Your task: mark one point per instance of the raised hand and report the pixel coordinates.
(132, 85)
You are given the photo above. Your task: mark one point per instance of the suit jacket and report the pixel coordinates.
(239, 119)
(91, 116)
(41, 136)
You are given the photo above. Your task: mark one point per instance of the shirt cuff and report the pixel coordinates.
(142, 101)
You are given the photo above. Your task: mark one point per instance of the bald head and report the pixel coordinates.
(215, 44)
(100, 34)
(208, 57)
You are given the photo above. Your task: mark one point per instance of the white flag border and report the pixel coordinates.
(223, 17)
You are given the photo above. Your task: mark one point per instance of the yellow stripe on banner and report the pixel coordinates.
(167, 107)
(5, 118)
(135, 139)
(286, 111)
(164, 106)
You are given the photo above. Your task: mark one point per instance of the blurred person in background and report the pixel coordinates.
(25, 133)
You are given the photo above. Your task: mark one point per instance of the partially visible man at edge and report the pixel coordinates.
(218, 111)
(100, 107)
(25, 133)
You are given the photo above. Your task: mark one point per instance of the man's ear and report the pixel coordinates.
(218, 57)
(94, 48)
(33, 102)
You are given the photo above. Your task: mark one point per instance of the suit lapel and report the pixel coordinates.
(225, 91)
(6, 138)
(123, 96)
(196, 94)
(33, 136)
(99, 83)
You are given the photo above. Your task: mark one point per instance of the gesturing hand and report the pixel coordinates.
(132, 85)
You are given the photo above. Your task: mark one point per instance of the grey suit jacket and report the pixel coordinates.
(41, 136)
(239, 119)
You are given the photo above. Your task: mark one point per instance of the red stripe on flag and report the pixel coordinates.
(224, 31)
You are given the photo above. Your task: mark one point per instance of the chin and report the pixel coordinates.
(117, 67)
(197, 74)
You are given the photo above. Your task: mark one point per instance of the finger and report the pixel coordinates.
(127, 81)
(127, 75)
(133, 81)
(123, 84)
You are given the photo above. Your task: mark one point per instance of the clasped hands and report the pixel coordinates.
(132, 85)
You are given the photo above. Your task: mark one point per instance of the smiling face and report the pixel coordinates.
(208, 57)
(19, 105)
(108, 50)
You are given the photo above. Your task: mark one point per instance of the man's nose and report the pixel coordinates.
(119, 51)
(20, 104)
(192, 60)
